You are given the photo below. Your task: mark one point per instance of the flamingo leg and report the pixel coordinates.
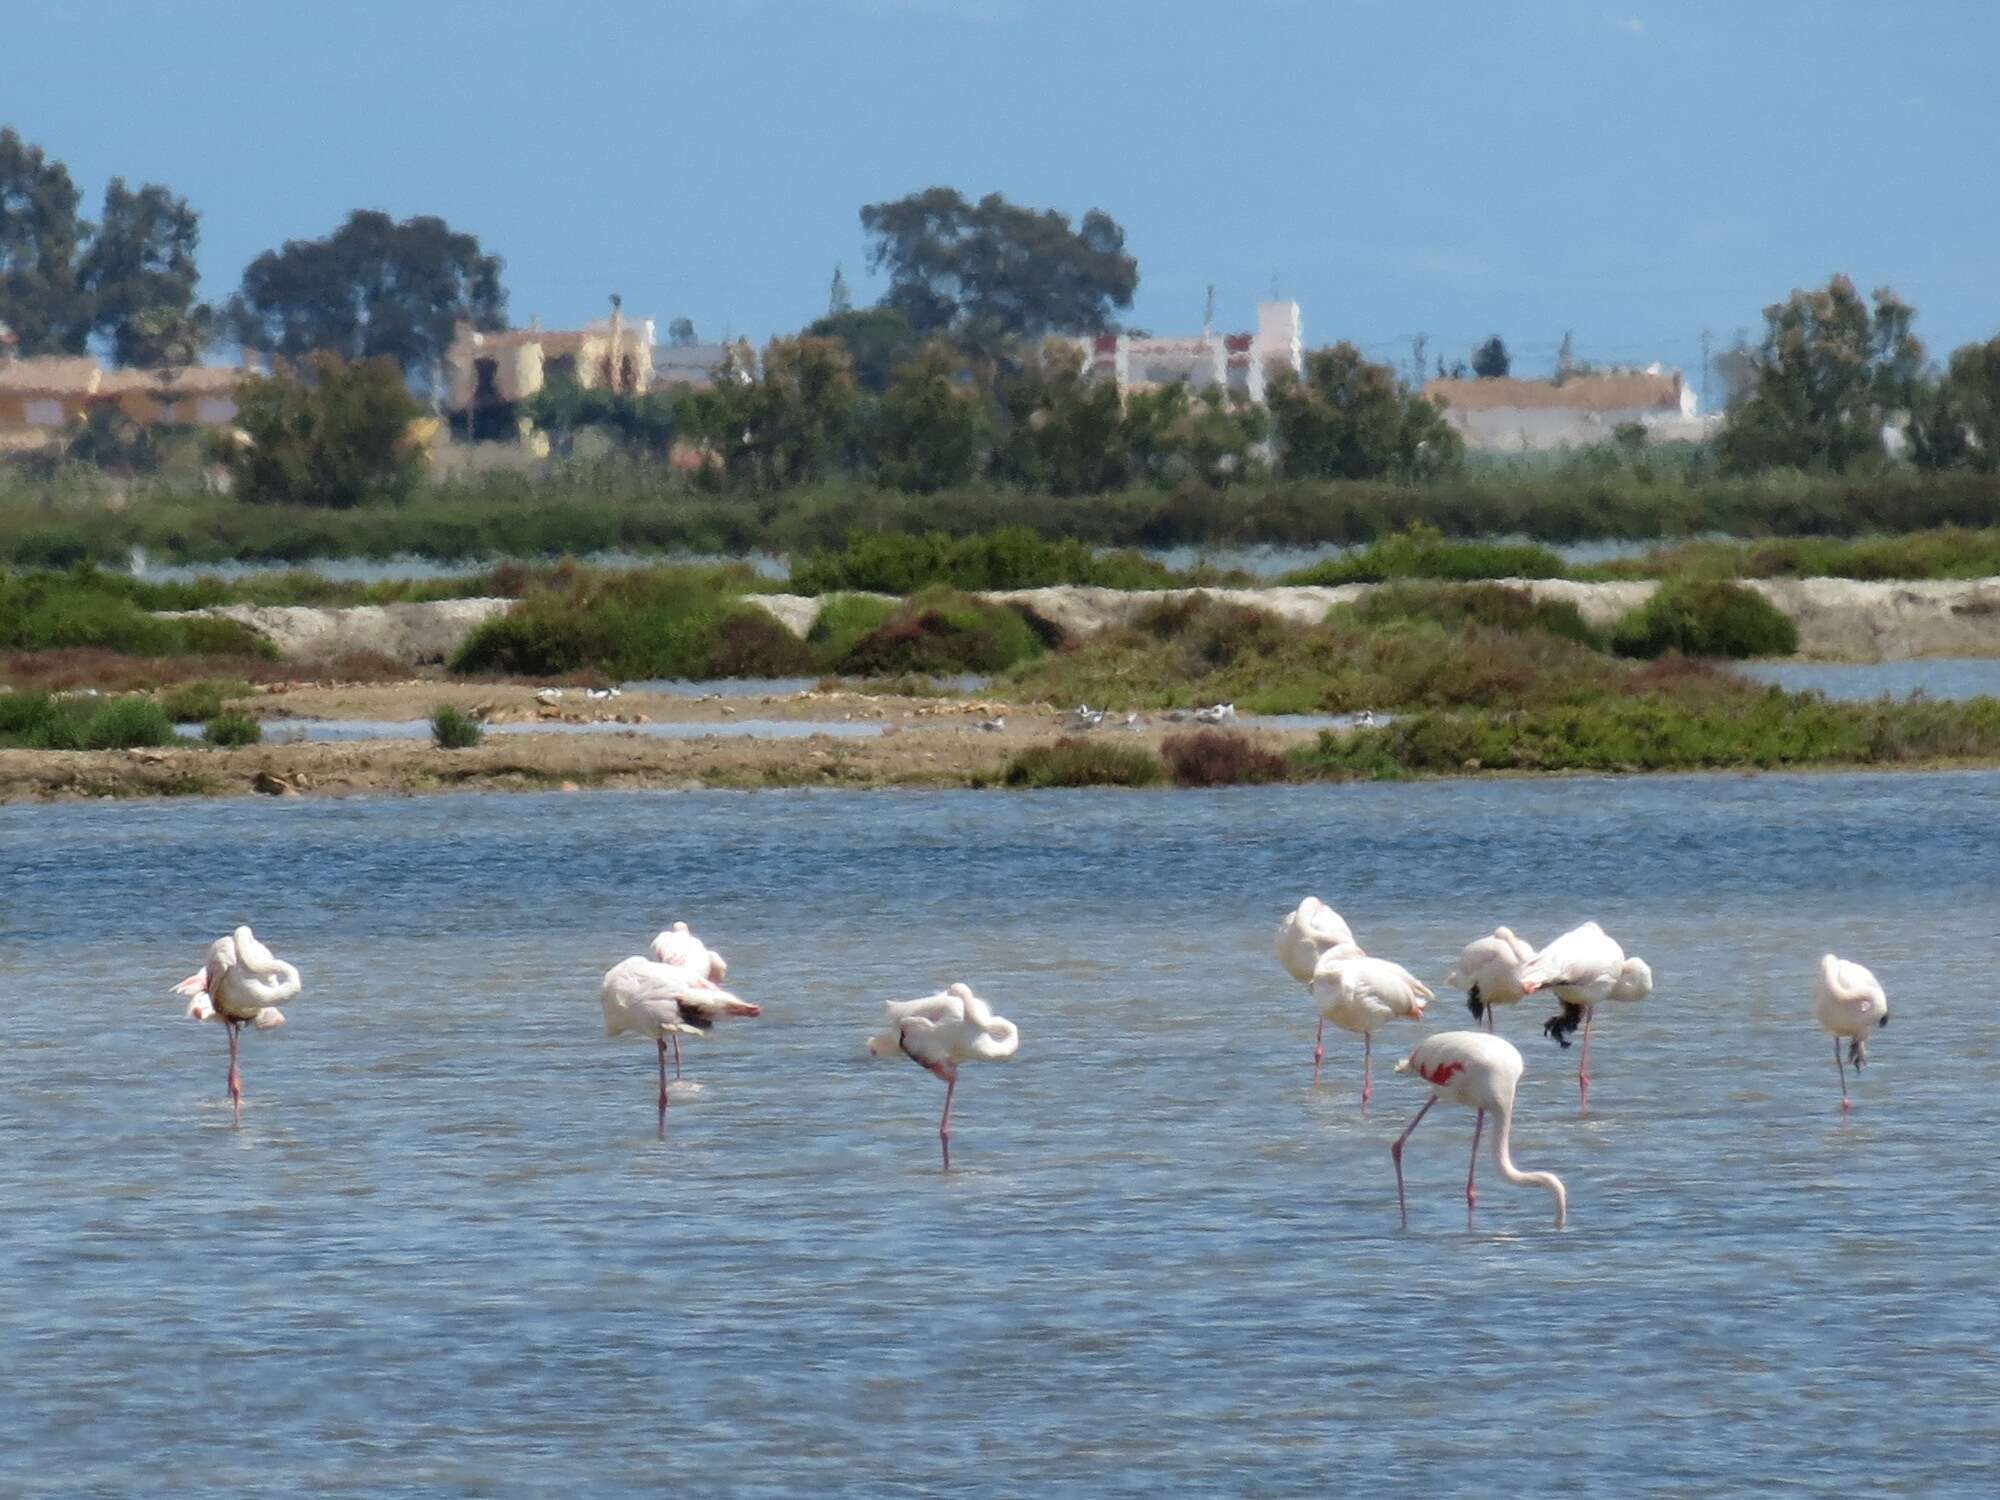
(1319, 1048)
(1489, 1018)
(1367, 1069)
(1472, 1193)
(236, 1077)
(1396, 1155)
(677, 1055)
(1845, 1103)
(1583, 1064)
(944, 1121)
(661, 1043)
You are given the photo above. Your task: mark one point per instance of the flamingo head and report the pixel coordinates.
(1634, 981)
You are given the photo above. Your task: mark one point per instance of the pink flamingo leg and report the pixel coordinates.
(1396, 1155)
(944, 1123)
(1583, 1065)
(677, 1055)
(1367, 1069)
(236, 1078)
(1319, 1048)
(662, 1044)
(1472, 1193)
(1845, 1103)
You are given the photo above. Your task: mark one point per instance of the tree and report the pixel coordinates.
(336, 441)
(795, 422)
(1173, 432)
(1954, 422)
(1061, 430)
(372, 288)
(1490, 361)
(998, 266)
(837, 300)
(166, 338)
(1829, 374)
(138, 265)
(1348, 419)
(878, 340)
(932, 427)
(39, 235)
(681, 334)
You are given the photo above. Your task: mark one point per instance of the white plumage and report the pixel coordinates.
(242, 984)
(1307, 932)
(1848, 1001)
(1584, 967)
(664, 1001)
(1489, 971)
(1479, 1072)
(679, 946)
(938, 1032)
(1363, 994)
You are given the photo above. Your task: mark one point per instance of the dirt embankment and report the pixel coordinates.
(1839, 619)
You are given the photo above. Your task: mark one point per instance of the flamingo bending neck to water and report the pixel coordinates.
(1478, 1071)
(1584, 967)
(1363, 994)
(1489, 971)
(938, 1032)
(1848, 1001)
(660, 1000)
(242, 984)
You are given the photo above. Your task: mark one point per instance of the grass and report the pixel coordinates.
(40, 721)
(85, 609)
(231, 729)
(1705, 617)
(1011, 557)
(1944, 553)
(1424, 552)
(1766, 730)
(453, 730)
(199, 701)
(1073, 761)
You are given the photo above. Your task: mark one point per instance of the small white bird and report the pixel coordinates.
(993, 725)
(1083, 716)
(1480, 1072)
(242, 984)
(938, 1032)
(1489, 971)
(1365, 719)
(1849, 1002)
(1218, 713)
(662, 1000)
(549, 695)
(603, 694)
(1364, 994)
(1585, 968)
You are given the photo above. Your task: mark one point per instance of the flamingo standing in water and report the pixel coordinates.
(1585, 968)
(1849, 1002)
(938, 1032)
(1364, 994)
(1489, 971)
(242, 984)
(678, 946)
(1479, 1071)
(1310, 932)
(664, 1000)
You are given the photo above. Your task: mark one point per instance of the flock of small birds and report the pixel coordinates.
(675, 989)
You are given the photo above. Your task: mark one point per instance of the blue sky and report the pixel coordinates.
(1636, 170)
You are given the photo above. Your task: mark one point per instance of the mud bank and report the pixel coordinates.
(1839, 619)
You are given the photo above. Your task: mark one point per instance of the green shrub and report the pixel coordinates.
(1422, 552)
(1075, 761)
(232, 728)
(86, 609)
(1705, 617)
(1011, 557)
(943, 632)
(199, 701)
(1216, 757)
(842, 622)
(1488, 605)
(37, 721)
(339, 440)
(452, 730)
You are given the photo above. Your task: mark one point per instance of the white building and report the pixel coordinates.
(1538, 416)
(1239, 363)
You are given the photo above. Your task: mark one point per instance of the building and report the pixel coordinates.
(1506, 415)
(698, 366)
(1238, 363)
(488, 374)
(47, 395)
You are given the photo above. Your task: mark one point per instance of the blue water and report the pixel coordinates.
(1946, 677)
(446, 1255)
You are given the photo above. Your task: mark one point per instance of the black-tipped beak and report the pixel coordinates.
(1883, 1022)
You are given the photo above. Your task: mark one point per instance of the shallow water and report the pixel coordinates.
(446, 1255)
(1951, 677)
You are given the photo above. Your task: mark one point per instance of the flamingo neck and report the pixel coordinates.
(1504, 1160)
(999, 1039)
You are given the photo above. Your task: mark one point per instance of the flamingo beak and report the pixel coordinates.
(1883, 1022)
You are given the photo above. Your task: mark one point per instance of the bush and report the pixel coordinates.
(1488, 605)
(843, 621)
(36, 721)
(1074, 761)
(1216, 757)
(452, 730)
(339, 440)
(1704, 617)
(232, 728)
(943, 632)
(87, 610)
(1422, 552)
(1012, 557)
(198, 702)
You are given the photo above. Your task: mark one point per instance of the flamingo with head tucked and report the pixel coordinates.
(1584, 967)
(242, 984)
(1848, 1001)
(1489, 971)
(1364, 994)
(938, 1032)
(1478, 1071)
(661, 1001)
(1309, 932)
(679, 947)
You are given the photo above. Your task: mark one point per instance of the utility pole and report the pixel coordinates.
(1704, 370)
(1417, 346)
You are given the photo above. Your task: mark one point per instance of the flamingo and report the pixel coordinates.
(1307, 932)
(1849, 1002)
(677, 945)
(1489, 971)
(1479, 1071)
(1584, 967)
(1363, 994)
(661, 1000)
(241, 985)
(938, 1032)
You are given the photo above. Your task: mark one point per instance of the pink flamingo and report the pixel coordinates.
(1848, 1001)
(1489, 971)
(938, 1032)
(242, 984)
(664, 1000)
(1585, 968)
(1364, 994)
(679, 947)
(1479, 1071)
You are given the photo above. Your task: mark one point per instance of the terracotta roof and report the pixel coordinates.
(196, 380)
(1637, 390)
(52, 374)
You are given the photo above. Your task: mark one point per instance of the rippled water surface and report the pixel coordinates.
(446, 1255)
(1948, 677)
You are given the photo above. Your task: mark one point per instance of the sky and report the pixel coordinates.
(1632, 172)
